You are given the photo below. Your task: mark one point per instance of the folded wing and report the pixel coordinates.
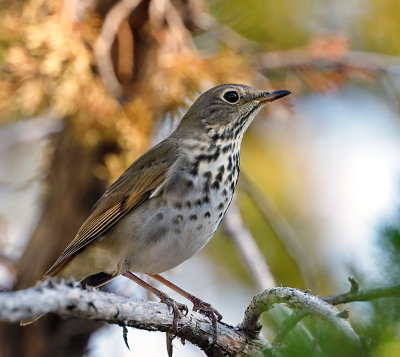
(132, 188)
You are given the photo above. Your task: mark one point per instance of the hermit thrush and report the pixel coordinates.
(167, 205)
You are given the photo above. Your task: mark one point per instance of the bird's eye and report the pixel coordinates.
(231, 97)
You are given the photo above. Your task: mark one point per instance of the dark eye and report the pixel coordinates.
(231, 97)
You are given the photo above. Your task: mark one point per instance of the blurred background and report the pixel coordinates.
(87, 86)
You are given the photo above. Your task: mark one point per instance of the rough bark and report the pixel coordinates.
(242, 340)
(67, 300)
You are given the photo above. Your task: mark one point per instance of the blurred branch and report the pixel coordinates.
(281, 228)
(247, 248)
(102, 48)
(296, 299)
(304, 57)
(67, 300)
(320, 52)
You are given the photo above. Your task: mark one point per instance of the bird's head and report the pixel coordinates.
(227, 110)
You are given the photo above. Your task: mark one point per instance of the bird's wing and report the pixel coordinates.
(132, 188)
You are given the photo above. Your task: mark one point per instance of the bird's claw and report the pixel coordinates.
(183, 308)
(206, 309)
(176, 310)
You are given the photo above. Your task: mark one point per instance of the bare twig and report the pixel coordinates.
(247, 248)
(102, 48)
(304, 57)
(67, 300)
(363, 295)
(281, 227)
(296, 299)
(354, 284)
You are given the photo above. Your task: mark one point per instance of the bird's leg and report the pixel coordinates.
(162, 296)
(198, 305)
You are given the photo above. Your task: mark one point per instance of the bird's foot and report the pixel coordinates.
(206, 309)
(177, 308)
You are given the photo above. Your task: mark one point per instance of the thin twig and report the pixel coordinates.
(363, 295)
(247, 248)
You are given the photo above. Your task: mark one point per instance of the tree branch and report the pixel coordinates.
(296, 299)
(102, 48)
(71, 300)
(363, 295)
(304, 57)
(353, 295)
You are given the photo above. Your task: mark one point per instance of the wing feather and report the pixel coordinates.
(132, 188)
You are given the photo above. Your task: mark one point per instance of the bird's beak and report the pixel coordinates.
(267, 97)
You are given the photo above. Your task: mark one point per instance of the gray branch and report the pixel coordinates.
(71, 300)
(244, 340)
(363, 295)
(295, 298)
(353, 295)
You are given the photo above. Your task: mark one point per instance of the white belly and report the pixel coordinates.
(168, 229)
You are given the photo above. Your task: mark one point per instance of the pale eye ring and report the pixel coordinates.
(231, 97)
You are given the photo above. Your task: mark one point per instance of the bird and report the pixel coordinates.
(168, 204)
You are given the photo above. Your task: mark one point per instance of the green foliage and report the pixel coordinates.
(382, 330)
(277, 24)
(378, 28)
(291, 23)
(324, 341)
(376, 322)
(390, 244)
